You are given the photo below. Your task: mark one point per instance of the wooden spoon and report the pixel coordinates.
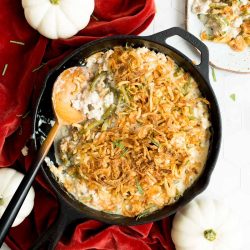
(64, 90)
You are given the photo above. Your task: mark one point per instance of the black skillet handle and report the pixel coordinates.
(49, 239)
(163, 35)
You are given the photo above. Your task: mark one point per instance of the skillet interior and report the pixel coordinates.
(44, 114)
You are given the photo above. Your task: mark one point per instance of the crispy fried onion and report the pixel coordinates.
(139, 162)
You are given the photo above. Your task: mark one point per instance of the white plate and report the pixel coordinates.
(221, 55)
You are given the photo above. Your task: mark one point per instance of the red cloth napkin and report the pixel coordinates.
(19, 87)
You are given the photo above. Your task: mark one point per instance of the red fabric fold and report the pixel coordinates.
(92, 235)
(19, 89)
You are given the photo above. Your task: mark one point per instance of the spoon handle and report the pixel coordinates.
(18, 198)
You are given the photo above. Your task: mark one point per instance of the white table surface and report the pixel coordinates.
(230, 181)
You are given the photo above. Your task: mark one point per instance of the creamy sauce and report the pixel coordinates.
(201, 6)
(93, 101)
(101, 198)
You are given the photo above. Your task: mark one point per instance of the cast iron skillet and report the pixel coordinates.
(70, 209)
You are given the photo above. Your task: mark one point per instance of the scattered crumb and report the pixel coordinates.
(25, 151)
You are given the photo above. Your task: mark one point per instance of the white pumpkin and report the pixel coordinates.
(205, 224)
(58, 18)
(9, 181)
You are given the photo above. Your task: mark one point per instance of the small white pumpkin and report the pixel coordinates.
(58, 18)
(10, 180)
(205, 224)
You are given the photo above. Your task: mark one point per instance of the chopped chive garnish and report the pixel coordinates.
(125, 94)
(186, 87)
(233, 97)
(213, 74)
(139, 188)
(17, 42)
(39, 67)
(24, 115)
(191, 117)
(4, 69)
(118, 144)
(145, 213)
(88, 198)
(177, 71)
(94, 17)
(156, 143)
(190, 110)
(125, 151)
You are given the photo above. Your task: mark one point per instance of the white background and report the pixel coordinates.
(231, 179)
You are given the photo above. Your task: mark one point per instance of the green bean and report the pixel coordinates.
(116, 93)
(218, 5)
(105, 116)
(125, 94)
(94, 124)
(98, 78)
(105, 125)
(111, 109)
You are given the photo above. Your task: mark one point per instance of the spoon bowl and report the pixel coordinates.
(63, 93)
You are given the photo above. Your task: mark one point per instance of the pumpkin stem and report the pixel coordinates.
(55, 1)
(1, 201)
(210, 234)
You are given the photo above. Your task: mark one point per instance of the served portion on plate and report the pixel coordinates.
(224, 26)
(225, 21)
(146, 136)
